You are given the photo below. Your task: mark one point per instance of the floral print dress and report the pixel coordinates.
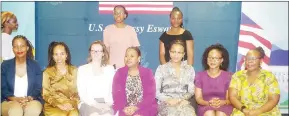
(170, 86)
(134, 90)
(255, 95)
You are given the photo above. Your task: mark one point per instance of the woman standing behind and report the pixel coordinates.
(176, 32)
(133, 87)
(212, 84)
(94, 81)
(8, 24)
(119, 36)
(254, 91)
(175, 84)
(59, 82)
(21, 82)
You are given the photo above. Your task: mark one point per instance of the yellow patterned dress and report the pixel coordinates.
(256, 95)
(60, 89)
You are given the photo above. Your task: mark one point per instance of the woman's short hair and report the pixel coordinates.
(224, 53)
(121, 6)
(261, 51)
(179, 42)
(136, 49)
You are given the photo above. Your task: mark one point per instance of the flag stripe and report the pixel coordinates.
(251, 36)
(259, 38)
(146, 3)
(138, 5)
(259, 32)
(137, 12)
(242, 50)
(250, 39)
(138, 9)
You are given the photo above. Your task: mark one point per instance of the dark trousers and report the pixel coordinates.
(194, 103)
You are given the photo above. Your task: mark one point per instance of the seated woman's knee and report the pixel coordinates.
(33, 108)
(14, 108)
(220, 113)
(14, 104)
(210, 113)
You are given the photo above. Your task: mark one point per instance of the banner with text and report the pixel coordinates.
(80, 23)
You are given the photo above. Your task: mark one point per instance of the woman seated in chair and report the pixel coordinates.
(254, 91)
(94, 82)
(21, 82)
(212, 83)
(175, 83)
(133, 87)
(59, 82)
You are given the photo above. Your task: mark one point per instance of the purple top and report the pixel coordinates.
(148, 105)
(213, 87)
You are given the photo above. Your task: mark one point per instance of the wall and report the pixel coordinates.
(78, 24)
(25, 12)
(214, 22)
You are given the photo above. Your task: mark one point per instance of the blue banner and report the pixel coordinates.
(79, 23)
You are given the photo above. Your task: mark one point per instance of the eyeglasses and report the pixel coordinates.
(96, 51)
(252, 58)
(215, 58)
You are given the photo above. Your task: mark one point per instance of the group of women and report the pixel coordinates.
(114, 83)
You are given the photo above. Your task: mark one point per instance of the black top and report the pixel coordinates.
(167, 39)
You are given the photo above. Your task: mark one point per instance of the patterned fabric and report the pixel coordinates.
(169, 86)
(148, 105)
(134, 90)
(255, 95)
(59, 89)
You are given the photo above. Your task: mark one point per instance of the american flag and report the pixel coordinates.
(137, 7)
(252, 36)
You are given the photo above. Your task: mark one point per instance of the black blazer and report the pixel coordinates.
(34, 75)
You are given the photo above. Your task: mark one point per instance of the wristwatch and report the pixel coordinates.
(242, 108)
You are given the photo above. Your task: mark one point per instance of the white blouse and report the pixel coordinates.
(20, 86)
(7, 52)
(90, 86)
